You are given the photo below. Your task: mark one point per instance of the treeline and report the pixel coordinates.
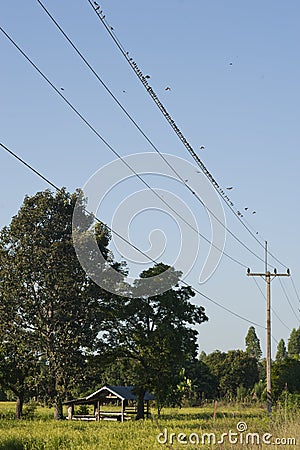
(241, 375)
(63, 336)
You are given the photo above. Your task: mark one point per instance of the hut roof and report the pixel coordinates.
(109, 392)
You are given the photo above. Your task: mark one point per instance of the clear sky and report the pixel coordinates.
(233, 68)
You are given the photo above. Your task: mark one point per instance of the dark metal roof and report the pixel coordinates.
(121, 392)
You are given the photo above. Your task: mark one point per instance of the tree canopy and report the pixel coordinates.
(155, 334)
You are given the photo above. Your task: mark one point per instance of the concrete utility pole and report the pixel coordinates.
(268, 276)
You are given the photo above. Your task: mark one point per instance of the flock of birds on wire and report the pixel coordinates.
(168, 88)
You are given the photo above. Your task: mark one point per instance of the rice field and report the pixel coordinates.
(234, 427)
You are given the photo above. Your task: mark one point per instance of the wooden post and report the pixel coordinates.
(267, 275)
(122, 411)
(215, 409)
(70, 409)
(98, 409)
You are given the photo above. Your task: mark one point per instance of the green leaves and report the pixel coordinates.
(50, 307)
(253, 344)
(155, 334)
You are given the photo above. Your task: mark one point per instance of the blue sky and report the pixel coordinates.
(233, 68)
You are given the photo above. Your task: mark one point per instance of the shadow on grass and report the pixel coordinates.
(12, 444)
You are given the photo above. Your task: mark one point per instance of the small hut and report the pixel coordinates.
(116, 396)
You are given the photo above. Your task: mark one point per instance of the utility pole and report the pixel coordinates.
(268, 276)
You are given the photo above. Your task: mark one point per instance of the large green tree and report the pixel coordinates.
(155, 335)
(52, 308)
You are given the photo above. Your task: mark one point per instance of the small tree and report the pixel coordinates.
(253, 344)
(17, 368)
(294, 343)
(281, 351)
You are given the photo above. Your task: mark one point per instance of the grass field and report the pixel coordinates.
(43, 433)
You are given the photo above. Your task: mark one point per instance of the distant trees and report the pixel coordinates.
(286, 376)
(232, 370)
(286, 367)
(199, 382)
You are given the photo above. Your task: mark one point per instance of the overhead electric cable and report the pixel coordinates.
(142, 132)
(29, 166)
(75, 110)
(296, 292)
(272, 309)
(288, 300)
(173, 125)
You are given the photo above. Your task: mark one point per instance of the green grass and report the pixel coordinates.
(43, 433)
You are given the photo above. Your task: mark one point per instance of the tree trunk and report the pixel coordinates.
(140, 404)
(19, 406)
(58, 409)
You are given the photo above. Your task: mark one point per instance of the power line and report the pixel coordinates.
(133, 121)
(296, 292)
(273, 310)
(75, 110)
(287, 297)
(29, 166)
(173, 125)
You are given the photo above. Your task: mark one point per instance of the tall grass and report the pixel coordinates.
(43, 433)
